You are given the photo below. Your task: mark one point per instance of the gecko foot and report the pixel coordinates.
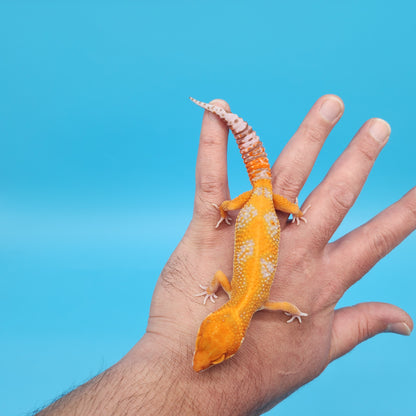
(207, 295)
(227, 219)
(293, 317)
(298, 219)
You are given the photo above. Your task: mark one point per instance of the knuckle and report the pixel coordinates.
(211, 139)
(288, 181)
(381, 242)
(299, 259)
(313, 133)
(210, 185)
(363, 330)
(367, 149)
(341, 197)
(205, 210)
(331, 290)
(410, 208)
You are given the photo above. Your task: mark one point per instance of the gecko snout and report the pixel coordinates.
(218, 339)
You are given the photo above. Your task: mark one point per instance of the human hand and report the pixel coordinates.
(276, 358)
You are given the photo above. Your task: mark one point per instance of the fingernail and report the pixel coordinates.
(331, 109)
(398, 328)
(380, 130)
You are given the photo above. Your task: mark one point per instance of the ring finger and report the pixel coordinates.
(336, 194)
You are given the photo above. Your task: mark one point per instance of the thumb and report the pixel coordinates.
(353, 325)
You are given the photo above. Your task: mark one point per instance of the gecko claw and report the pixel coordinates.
(293, 317)
(296, 219)
(219, 222)
(227, 219)
(207, 295)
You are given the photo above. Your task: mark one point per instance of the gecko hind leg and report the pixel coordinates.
(283, 204)
(288, 308)
(219, 279)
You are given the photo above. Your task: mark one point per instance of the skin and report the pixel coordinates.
(156, 376)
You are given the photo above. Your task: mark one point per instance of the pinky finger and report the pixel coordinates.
(362, 248)
(355, 324)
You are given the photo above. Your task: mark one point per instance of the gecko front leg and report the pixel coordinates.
(231, 205)
(220, 279)
(288, 308)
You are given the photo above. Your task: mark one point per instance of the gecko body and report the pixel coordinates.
(256, 247)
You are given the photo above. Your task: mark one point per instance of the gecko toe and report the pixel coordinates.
(207, 295)
(295, 316)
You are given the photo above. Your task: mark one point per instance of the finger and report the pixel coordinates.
(211, 165)
(333, 198)
(355, 324)
(295, 163)
(357, 252)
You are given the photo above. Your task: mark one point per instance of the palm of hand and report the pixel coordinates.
(276, 357)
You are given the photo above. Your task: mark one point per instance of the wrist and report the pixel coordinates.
(141, 383)
(158, 379)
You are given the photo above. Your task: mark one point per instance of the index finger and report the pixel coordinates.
(211, 165)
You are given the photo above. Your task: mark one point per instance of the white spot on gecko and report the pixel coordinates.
(272, 224)
(245, 251)
(247, 213)
(262, 191)
(262, 174)
(267, 269)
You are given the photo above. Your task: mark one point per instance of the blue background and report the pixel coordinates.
(97, 152)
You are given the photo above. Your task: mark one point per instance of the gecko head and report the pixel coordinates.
(219, 338)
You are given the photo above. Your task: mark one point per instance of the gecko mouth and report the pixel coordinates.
(202, 362)
(219, 360)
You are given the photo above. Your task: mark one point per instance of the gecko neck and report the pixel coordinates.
(241, 314)
(262, 183)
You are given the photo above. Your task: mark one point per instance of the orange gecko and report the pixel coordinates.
(257, 232)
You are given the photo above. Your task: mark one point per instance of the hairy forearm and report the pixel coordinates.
(155, 380)
(111, 392)
(88, 398)
(140, 384)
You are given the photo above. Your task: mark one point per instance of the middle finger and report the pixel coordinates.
(295, 162)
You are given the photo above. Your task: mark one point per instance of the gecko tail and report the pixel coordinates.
(251, 148)
(233, 121)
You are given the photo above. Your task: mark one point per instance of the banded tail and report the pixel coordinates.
(251, 148)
